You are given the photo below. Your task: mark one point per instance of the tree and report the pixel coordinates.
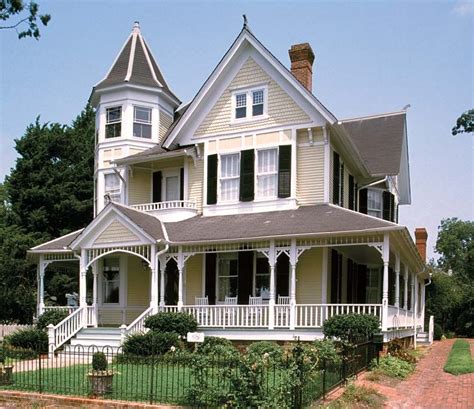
(27, 13)
(47, 194)
(465, 123)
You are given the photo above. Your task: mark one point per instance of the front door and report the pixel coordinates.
(171, 283)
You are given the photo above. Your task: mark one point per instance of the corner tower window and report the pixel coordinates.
(142, 122)
(113, 127)
(112, 186)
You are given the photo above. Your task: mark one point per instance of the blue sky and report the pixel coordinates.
(371, 57)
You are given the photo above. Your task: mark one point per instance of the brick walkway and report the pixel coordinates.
(431, 387)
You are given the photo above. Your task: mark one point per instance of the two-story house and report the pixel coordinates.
(252, 207)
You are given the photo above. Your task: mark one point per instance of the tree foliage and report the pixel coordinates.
(27, 16)
(465, 123)
(47, 194)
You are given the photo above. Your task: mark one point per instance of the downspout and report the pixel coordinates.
(117, 172)
(373, 183)
(161, 252)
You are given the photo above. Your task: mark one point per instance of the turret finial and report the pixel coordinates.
(136, 27)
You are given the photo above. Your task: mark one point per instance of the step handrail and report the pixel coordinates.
(137, 325)
(66, 329)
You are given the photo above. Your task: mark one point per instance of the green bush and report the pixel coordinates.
(151, 343)
(437, 332)
(267, 349)
(218, 349)
(178, 322)
(2, 355)
(99, 361)
(351, 326)
(29, 338)
(20, 353)
(393, 367)
(51, 317)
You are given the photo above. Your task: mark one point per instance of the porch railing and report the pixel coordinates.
(68, 308)
(66, 329)
(172, 204)
(225, 316)
(138, 325)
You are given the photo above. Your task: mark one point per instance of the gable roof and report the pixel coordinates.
(246, 37)
(135, 64)
(379, 140)
(304, 221)
(59, 244)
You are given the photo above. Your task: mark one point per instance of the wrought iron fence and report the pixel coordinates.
(174, 378)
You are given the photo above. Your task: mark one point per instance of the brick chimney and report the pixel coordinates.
(302, 58)
(421, 235)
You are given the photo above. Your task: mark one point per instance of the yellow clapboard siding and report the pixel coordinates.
(193, 278)
(282, 109)
(195, 182)
(114, 233)
(308, 276)
(165, 122)
(139, 187)
(138, 282)
(310, 174)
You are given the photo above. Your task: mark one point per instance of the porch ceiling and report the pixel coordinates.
(362, 254)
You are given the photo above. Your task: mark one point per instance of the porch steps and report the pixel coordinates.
(89, 340)
(422, 338)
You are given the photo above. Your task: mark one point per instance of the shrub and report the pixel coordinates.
(29, 338)
(51, 317)
(267, 349)
(437, 332)
(393, 367)
(20, 353)
(178, 322)
(220, 349)
(99, 361)
(351, 326)
(2, 355)
(397, 349)
(151, 343)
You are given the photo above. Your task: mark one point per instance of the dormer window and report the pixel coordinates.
(142, 122)
(249, 104)
(113, 126)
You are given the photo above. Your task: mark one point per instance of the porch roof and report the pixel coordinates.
(57, 245)
(306, 220)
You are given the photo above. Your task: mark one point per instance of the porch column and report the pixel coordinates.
(412, 301)
(83, 285)
(405, 293)
(415, 309)
(324, 276)
(293, 261)
(95, 274)
(271, 301)
(181, 263)
(162, 280)
(397, 280)
(153, 280)
(41, 268)
(385, 258)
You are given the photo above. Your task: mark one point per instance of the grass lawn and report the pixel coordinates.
(459, 360)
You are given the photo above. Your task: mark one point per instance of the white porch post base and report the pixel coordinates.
(181, 263)
(385, 257)
(162, 281)
(271, 302)
(95, 316)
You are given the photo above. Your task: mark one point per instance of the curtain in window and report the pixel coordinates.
(230, 169)
(228, 275)
(112, 186)
(267, 172)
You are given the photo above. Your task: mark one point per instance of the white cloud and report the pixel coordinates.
(464, 8)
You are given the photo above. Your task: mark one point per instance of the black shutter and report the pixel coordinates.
(211, 277)
(392, 207)
(363, 201)
(336, 277)
(212, 179)
(396, 220)
(245, 281)
(156, 187)
(335, 178)
(181, 184)
(341, 181)
(386, 205)
(351, 192)
(284, 171)
(391, 286)
(361, 283)
(356, 197)
(247, 177)
(350, 281)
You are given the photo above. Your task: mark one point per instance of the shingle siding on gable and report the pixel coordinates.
(281, 108)
(115, 233)
(165, 123)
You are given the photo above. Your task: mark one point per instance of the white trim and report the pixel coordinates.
(185, 180)
(255, 206)
(324, 275)
(131, 57)
(327, 165)
(373, 116)
(53, 240)
(150, 65)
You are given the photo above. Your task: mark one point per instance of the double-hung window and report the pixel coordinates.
(142, 122)
(229, 177)
(111, 281)
(227, 275)
(374, 202)
(113, 126)
(249, 104)
(112, 186)
(267, 173)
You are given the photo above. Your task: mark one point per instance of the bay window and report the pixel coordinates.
(227, 275)
(113, 125)
(142, 122)
(267, 173)
(229, 177)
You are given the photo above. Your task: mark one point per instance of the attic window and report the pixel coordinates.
(142, 122)
(113, 127)
(249, 104)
